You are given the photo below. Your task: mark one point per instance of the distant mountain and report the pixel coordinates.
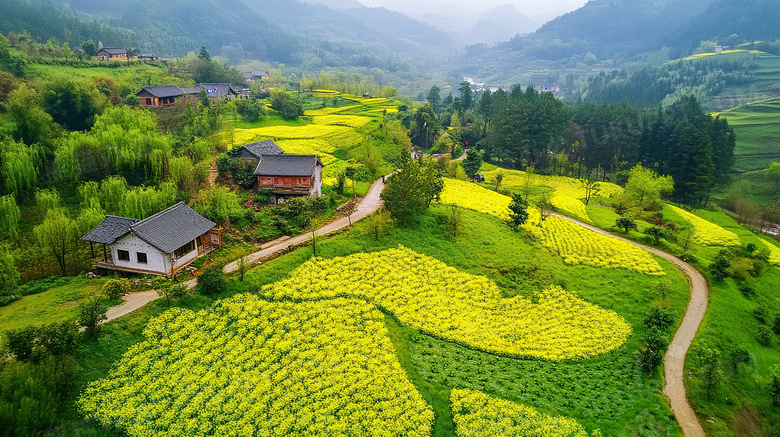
(501, 24)
(336, 4)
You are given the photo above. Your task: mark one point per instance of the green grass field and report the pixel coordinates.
(609, 392)
(757, 126)
(54, 305)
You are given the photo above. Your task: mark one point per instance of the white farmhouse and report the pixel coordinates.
(162, 244)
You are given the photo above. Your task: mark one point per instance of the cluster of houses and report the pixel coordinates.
(120, 54)
(166, 95)
(170, 240)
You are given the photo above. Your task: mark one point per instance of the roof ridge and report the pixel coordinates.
(156, 215)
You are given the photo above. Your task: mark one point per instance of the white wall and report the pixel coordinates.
(316, 190)
(156, 260)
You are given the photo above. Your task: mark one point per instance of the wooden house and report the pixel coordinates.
(253, 151)
(166, 95)
(162, 244)
(112, 54)
(160, 96)
(289, 176)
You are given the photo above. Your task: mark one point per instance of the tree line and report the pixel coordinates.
(521, 127)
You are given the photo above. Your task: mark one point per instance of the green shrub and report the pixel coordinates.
(764, 335)
(116, 288)
(211, 281)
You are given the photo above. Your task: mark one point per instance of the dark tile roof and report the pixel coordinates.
(287, 165)
(163, 91)
(111, 228)
(217, 89)
(267, 147)
(113, 50)
(167, 230)
(172, 228)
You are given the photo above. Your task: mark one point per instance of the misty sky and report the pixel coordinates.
(526, 7)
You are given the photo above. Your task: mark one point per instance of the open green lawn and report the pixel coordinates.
(134, 70)
(54, 305)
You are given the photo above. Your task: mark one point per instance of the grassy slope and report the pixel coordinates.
(757, 126)
(740, 405)
(54, 305)
(487, 248)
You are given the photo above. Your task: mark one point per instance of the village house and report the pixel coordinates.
(166, 95)
(256, 75)
(112, 54)
(162, 244)
(148, 57)
(160, 96)
(253, 151)
(289, 176)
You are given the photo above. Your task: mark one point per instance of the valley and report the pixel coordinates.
(355, 218)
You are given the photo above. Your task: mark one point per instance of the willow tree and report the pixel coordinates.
(89, 191)
(112, 194)
(218, 204)
(46, 200)
(9, 274)
(57, 236)
(19, 166)
(9, 215)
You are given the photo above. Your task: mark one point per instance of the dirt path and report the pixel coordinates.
(213, 173)
(368, 205)
(674, 361)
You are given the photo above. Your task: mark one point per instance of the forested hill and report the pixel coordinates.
(297, 34)
(749, 20)
(607, 27)
(43, 21)
(610, 34)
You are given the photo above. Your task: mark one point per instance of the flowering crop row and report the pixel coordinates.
(774, 253)
(353, 121)
(437, 299)
(478, 415)
(472, 196)
(296, 132)
(575, 244)
(328, 111)
(571, 205)
(708, 233)
(578, 245)
(247, 367)
(563, 186)
(308, 147)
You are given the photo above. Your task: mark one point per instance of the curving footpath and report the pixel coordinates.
(366, 207)
(674, 361)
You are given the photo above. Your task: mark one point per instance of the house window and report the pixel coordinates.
(141, 258)
(148, 102)
(123, 255)
(187, 248)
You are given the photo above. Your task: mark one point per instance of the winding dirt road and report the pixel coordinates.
(366, 207)
(674, 361)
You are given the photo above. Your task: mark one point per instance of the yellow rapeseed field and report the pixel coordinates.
(437, 299)
(573, 243)
(478, 415)
(247, 367)
(708, 233)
